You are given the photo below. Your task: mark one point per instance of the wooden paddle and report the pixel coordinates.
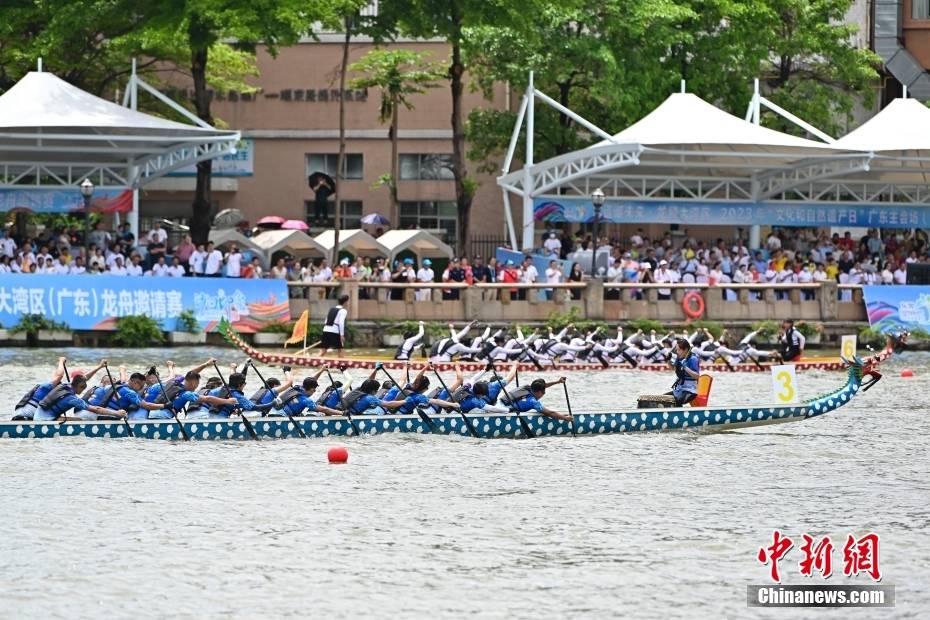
(113, 393)
(423, 415)
(346, 409)
(300, 431)
(468, 424)
(523, 423)
(168, 405)
(568, 403)
(245, 420)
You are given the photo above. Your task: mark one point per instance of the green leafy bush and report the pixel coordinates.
(646, 325)
(558, 320)
(277, 327)
(30, 324)
(766, 329)
(809, 328)
(715, 328)
(137, 331)
(187, 322)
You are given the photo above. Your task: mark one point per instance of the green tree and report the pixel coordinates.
(397, 74)
(452, 21)
(616, 60)
(201, 29)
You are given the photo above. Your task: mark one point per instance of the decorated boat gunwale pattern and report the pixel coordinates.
(283, 359)
(486, 426)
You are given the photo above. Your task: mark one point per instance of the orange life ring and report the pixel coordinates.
(692, 313)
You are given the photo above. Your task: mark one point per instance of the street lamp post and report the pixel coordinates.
(598, 198)
(87, 190)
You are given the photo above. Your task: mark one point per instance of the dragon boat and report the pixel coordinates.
(862, 375)
(894, 344)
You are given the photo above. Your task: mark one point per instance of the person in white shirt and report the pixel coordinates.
(326, 272)
(26, 258)
(334, 329)
(176, 270)
(196, 261)
(664, 274)
(887, 273)
(7, 245)
(159, 269)
(425, 274)
(60, 268)
(158, 235)
(553, 245)
(553, 276)
(233, 263)
(900, 274)
(212, 262)
(117, 269)
(77, 267)
(134, 268)
(5, 265)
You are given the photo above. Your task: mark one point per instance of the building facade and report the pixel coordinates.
(291, 130)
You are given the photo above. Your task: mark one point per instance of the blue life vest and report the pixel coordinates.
(54, 401)
(685, 381)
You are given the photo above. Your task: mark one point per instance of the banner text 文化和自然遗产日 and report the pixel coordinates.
(95, 302)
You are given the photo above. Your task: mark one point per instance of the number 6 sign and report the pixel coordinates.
(848, 346)
(785, 384)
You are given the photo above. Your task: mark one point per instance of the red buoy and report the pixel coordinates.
(907, 372)
(338, 455)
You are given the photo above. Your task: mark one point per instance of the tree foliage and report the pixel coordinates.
(616, 60)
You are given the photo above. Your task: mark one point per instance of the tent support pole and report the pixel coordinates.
(508, 212)
(527, 241)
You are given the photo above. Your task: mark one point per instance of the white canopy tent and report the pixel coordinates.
(420, 242)
(294, 242)
(355, 240)
(686, 149)
(53, 135)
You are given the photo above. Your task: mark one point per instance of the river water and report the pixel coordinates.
(647, 526)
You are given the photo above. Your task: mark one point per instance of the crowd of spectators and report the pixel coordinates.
(788, 256)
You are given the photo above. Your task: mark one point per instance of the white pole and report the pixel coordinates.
(528, 225)
(755, 231)
(683, 90)
(508, 212)
(134, 91)
(39, 65)
(512, 147)
(903, 86)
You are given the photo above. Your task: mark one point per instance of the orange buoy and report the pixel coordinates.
(338, 455)
(907, 372)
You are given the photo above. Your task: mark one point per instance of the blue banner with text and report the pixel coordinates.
(567, 209)
(95, 302)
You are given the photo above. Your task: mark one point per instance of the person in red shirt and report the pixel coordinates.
(510, 275)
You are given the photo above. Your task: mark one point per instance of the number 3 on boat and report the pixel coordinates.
(785, 384)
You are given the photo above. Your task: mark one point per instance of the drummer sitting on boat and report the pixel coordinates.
(687, 367)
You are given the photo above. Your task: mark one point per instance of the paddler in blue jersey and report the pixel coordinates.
(687, 367)
(295, 400)
(234, 401)
(152, 386)
(64, 397)
(27, 406)
(182, 393)
(479, 396)
(127, 397)
(415, 397)
(528, 398)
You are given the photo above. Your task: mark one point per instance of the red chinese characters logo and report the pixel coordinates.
(774, 552)
(860, 555)
(817, 557)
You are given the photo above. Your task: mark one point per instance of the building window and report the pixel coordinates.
(920, 9)
(351, 214)
(426, 167)
(440, 218)
(326, 162)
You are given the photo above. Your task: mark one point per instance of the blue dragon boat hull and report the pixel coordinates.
(486, 426)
